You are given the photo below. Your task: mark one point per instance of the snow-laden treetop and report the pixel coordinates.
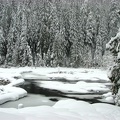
(114, 45)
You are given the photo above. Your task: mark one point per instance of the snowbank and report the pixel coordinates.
(68, 73)
(79, 87)
(64, 110)
(11, 93)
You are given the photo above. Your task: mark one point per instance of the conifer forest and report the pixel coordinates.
(66, 33)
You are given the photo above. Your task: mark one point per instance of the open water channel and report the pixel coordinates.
(38, 96)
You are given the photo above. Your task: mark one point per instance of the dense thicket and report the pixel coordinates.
(56, 32)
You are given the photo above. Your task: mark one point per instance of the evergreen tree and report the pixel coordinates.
(91, 35)
(113, 19)
(12, 36)
(5, 27)
(2, 47)
(114, 72)
(25, 49)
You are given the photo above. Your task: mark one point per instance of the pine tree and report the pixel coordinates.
(5, 28)
(91, 35)
(113, 19)
(114, 72)
(101, 35)
(58, 48)
(77, 59)
(21, 54)
(27, 58)
(12, 35)
(2, 47)
(86, 55)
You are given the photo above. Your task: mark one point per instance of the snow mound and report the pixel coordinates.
(8, 92)
(64, 110)
(11, 93)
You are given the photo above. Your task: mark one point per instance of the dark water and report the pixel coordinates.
(32, 100)
(35, 88)
(38, 96)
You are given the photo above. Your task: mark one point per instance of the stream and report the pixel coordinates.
(38, 96)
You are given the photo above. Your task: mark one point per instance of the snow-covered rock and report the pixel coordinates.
(8, 91)
(11, 93)
(20, 106)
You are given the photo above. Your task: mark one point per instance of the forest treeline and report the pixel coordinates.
(68, 33)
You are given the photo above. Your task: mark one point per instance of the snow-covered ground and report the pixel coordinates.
(72, 81)
(84, 81)
(11, 92)
(68, 73)
(63, 110)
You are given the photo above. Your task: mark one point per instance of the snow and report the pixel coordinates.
(108, 45)
(16, 77)
(63, 110)
(81, 74)
(108, 97)
(68, 73)
(11, 93)
(20, 106)
(69, 109)
(118, 57)
(80, 87)
(107, 94)
(113, 45)
(118, 34)
(117, 98)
